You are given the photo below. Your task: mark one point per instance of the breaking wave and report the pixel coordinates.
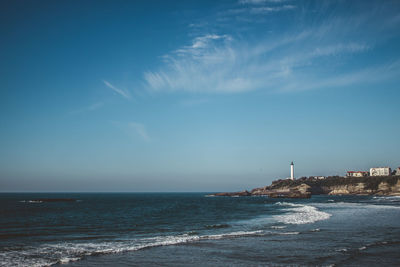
(367, 246)
(386, 198)
(278, 227)
(51, 254)
(375, 204)
(300, 214)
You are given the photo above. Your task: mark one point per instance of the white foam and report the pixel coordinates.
(278, 226)
(233, 234)
(301, 214)
(285, 204)
(31, 201)
(290, 233)
(357, 205)
(387, 198)
(66, 260)
(50, 254)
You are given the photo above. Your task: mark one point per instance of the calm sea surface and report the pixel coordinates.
(192, 229)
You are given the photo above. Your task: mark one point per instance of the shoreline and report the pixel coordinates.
(333, 185)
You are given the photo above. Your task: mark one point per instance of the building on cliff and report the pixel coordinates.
(397, 171)
(357, 174)
(380, 171)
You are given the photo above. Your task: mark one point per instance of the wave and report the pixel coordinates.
(65, 252)
(290, 233)
(300, 214)
(373, 205)
(389, 197)
(67, 260)
(278, 226)
(61, 253)
(386, 198)
(41, 200)
(233, 234)
(367, 246)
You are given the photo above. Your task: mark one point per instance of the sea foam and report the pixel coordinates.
(300, 214)
(50, 254)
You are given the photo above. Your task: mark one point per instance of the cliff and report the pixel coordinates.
(335, 185)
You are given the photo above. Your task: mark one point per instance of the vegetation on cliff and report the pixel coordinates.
(334, 185)
(370, 182)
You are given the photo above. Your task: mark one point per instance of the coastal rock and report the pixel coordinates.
(384, 187)
(358, 189)
(303, 188)
(300, 191)
(394, 190)
(335, 185)
(259, 191)
(340, 191)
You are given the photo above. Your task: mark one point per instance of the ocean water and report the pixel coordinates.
(192, 229)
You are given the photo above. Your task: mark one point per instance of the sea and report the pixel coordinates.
(194, 229)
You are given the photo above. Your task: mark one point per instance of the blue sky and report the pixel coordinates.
(195, 95)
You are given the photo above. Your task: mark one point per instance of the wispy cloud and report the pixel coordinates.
(259, 2)
(255, 10)
(139, 129)
(91, 107)
(311, 56)
(267, 9)
(226, 68)
(133, 129)
(339, 49)
(194, 102)
(122, 92)
(202, 42)
(368, 75)
(95, 106)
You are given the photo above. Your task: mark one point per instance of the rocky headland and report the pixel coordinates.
(333, 185)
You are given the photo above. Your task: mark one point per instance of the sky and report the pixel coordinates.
(194, 96)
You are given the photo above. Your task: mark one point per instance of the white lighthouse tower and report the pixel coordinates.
(292, 171)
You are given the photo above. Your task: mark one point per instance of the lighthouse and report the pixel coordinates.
(292, 171)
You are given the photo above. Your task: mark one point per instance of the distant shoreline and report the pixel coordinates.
(333, 185)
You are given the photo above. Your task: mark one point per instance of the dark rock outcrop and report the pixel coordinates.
(300, 191)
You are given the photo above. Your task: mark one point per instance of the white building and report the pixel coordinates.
(398, 171)
(380, 171)
(357, 174)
